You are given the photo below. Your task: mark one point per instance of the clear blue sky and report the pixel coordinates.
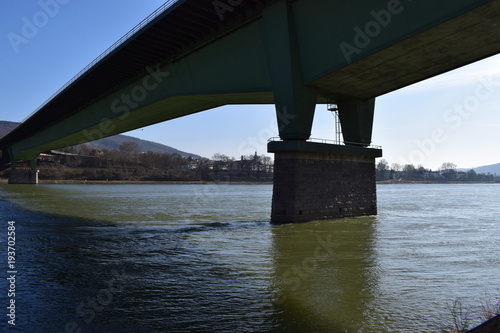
(454, 117)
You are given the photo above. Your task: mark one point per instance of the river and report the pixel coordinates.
(204, 258)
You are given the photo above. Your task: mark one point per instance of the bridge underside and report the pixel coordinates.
(454, 43)
(291, 54)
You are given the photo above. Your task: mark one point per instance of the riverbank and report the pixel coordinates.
(404, 181)
(140, 182)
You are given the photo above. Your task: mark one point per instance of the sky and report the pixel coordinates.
(454, 117)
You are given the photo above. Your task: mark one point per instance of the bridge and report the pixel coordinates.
(190, 56)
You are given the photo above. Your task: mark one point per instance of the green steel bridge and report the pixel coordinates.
(192, 55)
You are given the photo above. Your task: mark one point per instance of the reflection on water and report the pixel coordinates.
(184, 258)
(325, 274)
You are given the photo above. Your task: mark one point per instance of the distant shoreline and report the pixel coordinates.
(403, 181)
(173, 182)
(142, 182)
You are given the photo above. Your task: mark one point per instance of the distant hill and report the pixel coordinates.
(6, 127)
(114, 142)
(494, 169)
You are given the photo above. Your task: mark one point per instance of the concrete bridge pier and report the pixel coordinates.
(23, 176)
(314, 181)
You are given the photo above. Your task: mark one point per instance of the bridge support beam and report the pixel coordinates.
(315, 181)
(356, 119)
(295, 102)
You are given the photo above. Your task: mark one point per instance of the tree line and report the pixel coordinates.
(128, 163)
(448, 172)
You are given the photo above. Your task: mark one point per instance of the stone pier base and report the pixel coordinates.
(315, 181)
(23, 176)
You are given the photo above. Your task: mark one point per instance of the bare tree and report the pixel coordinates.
(409, 171)
(448, 166)
(448, 170)
(396, 167)
(382, 167)
(461, 317)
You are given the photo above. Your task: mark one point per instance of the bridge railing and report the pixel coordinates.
(110, 49)
(332, 142)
